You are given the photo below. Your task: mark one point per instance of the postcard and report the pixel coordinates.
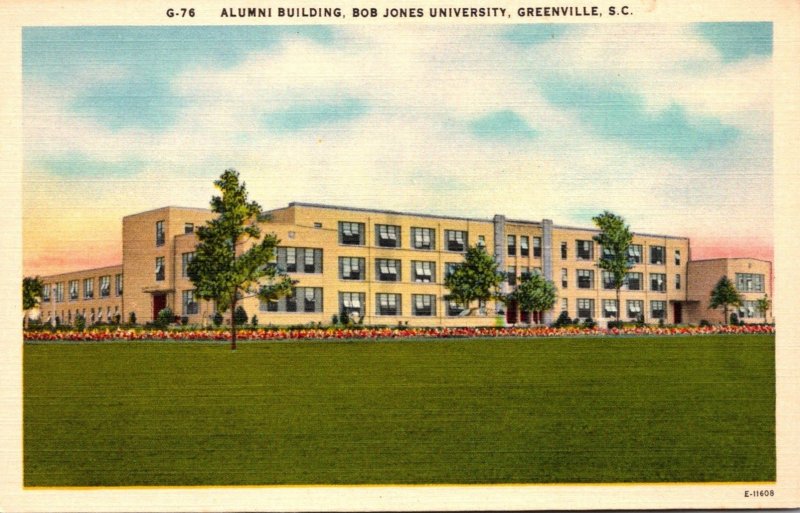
(377, 256)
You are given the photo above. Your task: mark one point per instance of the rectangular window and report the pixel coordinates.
(658, 282)
(387, 304)
(351, 268)
(584, 249)
(456, 240)
(511, 241)
(387, 270)
(160, 236)
(186, 259)
(105, 286)
(635, 253)
(299, 260)
(449, 268)
(190, 306)
(290, 300)
(633, 281)
(423, 238)
(351, 234)
(563, 251)
(423, 272)
(351, 304)
(564, 305)
(46, 293)
(677, 282)
(59, 292)
(311, 297)
(585, 279)
(677, 257)
(749, 282)
(118, 284)
(454, 309)
(537, 247)
(524, 270)
(609, 308)
(658, 309)
(188, 228)
(74, 285)
(524, 245)
(423, 305)
(387, 235)
(160, 271)
(511, 275)
(88, 288)
(608, 280)
(750, 310)
(585, 308)
(635, 307)
(657, 255)
(481, 241)
(291, 260)
(564, 278)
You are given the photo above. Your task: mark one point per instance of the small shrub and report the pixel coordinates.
(184, 320)
(334, 319)
(589, 323)
(615, 324)
(164, 317)
(217, 319)
(240, 316)
(254, 321)
(563, 320)
(734, 318)
(80, 322)
(132, 318)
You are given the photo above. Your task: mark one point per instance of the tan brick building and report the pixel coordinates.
(751, 277)
(385, 267)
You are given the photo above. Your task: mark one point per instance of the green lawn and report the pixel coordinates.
(441, 411)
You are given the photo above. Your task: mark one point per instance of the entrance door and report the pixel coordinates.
(511, 312)
(159, 303)
(677, 313)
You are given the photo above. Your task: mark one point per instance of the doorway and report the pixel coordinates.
(159, 303)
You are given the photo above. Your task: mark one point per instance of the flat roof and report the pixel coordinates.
(390, 212)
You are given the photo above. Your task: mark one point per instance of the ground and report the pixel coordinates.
(600, 409)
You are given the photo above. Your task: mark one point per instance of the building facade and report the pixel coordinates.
(388, 268)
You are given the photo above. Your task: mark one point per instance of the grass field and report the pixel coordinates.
(603, 409)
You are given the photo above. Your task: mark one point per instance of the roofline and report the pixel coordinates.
(377, 211)
(640, 234)
(169, 207)
(83, 271)
(731, 258)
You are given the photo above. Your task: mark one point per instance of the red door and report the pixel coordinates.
(511, 312)
(159, 303)
(677, 313)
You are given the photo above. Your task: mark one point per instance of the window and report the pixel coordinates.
(160, 269)
(511, 275)
(317, 225)
(585, 279)
(118, 284)
(750, 310)
(311, 297)
(351, 234)
(189, 304)
(584, 249)
(634, 281)
(88, 288)
(677, 282)
(351, 303)
(564, 278)
(449, 268)
(105, 286)
(423, 305)
(609, 308)
(423, 238)
(59, 292)
(564, 305)
(658, 282)
(524, 247)
(423, 271)
(635, 253)
(563, 251)
(635, 307)
(73, 290)
(387, 270)
(388, 236)
(188, 228)
(291, 260)
(186, 259)
(299, 260)
(608, 280)
(524, 270)
(658, 309)
(677, 257)
(481, 241)
(351, 268)
(160, 233)
(585, 308)
(657, 255)
(748, 282)
(456, 240)
(537, 247)
(387, 304)
(46, 293)
(511, 240)
(454, 309)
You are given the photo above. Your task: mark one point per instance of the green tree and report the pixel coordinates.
(476, 278)
(764, 305)
(32, 289)
(232, 259)
(534, 293)
(615, 239)
(725, 295)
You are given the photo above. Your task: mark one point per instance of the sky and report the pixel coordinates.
(667, 125)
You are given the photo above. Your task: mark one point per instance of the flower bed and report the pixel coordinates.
(381, 333)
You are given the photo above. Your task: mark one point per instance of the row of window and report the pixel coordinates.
(161, 234)
(749, 282)
(633, 280)
(354, 268)
(85, 288)
(391, 236)
(584, 250)
(585, 308)
(91, 316)
(524, 246)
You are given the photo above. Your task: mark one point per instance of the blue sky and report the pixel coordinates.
(665, 124)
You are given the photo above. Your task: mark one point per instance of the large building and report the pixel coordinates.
(385, 267)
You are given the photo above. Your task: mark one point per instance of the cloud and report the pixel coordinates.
(503, 125)
(307, 115)
(738, 41)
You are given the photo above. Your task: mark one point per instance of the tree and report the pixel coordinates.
(475, 279)
(32, 289)
(615, 239)
(534, 293)
(232, 260)
(764, 305)
(724, 295)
